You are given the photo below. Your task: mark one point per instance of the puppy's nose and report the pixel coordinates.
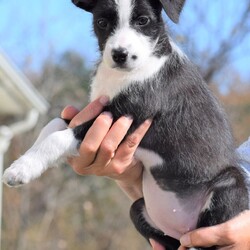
(120, 55)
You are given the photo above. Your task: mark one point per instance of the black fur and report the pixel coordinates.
(173, 8)
(136, 214)
(110, 15)
(190, 131)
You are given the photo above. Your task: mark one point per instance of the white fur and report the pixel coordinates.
(56, 124)
(124, 10)
(45, 153)
(148, 158)
(110, 82)
(135, 43)
(208, 203)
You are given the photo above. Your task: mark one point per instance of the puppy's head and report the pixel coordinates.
(129, 32)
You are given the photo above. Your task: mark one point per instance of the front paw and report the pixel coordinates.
(16, 175)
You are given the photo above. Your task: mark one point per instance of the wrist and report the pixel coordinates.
(132, 189)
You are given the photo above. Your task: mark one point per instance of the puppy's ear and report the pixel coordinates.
(87, 5)
(173, 8)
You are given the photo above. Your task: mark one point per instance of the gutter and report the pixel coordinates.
(8, 132)
(6, 135)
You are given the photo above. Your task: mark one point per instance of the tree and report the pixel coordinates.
(211, 32)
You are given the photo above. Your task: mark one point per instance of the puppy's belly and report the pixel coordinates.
(170, 214)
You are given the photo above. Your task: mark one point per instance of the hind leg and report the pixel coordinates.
(228, 198)
(142, 223)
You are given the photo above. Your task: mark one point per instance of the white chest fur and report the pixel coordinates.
(110, 81)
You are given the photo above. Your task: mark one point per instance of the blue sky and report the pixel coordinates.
(37, 29)
(31, 31)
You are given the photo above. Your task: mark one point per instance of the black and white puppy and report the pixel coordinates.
(191, 176)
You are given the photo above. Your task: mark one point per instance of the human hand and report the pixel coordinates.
(155, 245)
(101, 151)
(233, 235)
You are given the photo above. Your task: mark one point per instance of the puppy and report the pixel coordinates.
(191, 176)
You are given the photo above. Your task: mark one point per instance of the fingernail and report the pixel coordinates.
(63, 111)
(185, 240)
(68, 107)
(62, 114)
(107, 114)
(148, 121)
(152, 243)
(104, 100)
(129, 117)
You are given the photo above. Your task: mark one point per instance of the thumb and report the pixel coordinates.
(203, 237)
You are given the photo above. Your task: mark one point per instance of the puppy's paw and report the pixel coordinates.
(17, 174)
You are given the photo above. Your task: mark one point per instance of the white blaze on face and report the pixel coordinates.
(124, 12)
(137, 45)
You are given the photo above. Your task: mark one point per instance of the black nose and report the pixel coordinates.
(120, 55)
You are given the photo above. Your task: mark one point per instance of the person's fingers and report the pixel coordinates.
(101, 142)
(117, 163)
(182, 248)
(91, 111)
(205, 237)
(155, 245)
(128, 147)
(112, 140)
(91, 143)
(124, 156)
(69, 112)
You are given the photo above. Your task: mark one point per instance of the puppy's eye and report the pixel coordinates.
(142, 21)
(102, 23)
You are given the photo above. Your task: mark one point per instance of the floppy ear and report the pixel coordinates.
(173, 8)
(87, 5)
